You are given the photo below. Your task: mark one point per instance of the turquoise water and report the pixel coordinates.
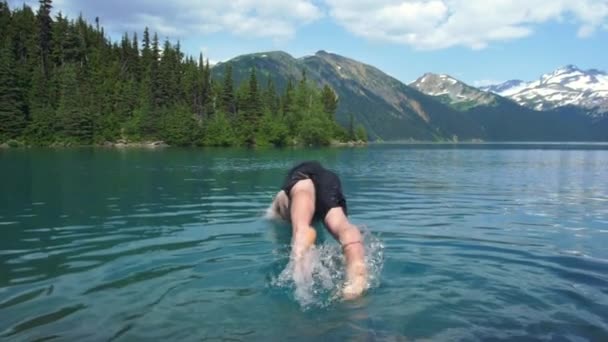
(465, 242)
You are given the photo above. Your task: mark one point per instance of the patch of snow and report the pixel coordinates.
(514, 90)
(447, 78)
(581, 83)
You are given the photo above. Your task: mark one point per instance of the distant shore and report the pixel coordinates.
(156, 144)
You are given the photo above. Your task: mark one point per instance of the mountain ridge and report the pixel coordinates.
(392, 110)
(566, 86)
(451, 91)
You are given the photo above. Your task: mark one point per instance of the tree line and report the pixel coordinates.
(63, 82)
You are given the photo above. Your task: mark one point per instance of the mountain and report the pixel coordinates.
(502, 119)
(506, 88)
(389, 109)
(566, 86)
(434, 107)
(452, 91)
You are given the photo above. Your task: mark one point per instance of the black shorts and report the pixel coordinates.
(328, 189)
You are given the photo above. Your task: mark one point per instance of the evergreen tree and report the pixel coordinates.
(60, 29)
(133, 63)
(166, 76)
(179, 127)
(360, 134)
(330, 101)
(206, 95)
(76, 122)
(271, 102)
(12, 117)
(64, 81)
(289, 107)
(227, 96)
(254, 106)
(155, 82)
(219, 131)
(146, 53)
(44, 33)
(351, 127)
(5, 18)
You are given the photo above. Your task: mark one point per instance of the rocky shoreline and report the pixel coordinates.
(142, 144)
(109, 144)
(124, 144)
(357, 143)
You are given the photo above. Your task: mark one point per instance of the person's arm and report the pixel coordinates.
(279, 208)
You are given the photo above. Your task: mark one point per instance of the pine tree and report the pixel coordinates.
(155, 85)
(168, 76)
(76, 122)
(206, 97)
(360, 134)
(5, 24)
(254, 105)
(250, 109)
(60, 29)
(290, 107)
(271, 103)
(146, 53)
(351, 127)
(330, 101)
(64, 81)
(133, 63)
(179, 127)
(41, 97)
(44, 33)
(12, 117)
(227, 96)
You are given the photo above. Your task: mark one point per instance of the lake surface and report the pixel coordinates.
(465, 242)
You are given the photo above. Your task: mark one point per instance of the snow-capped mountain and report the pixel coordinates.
(451, 90)
(565, 86)
(507, 88)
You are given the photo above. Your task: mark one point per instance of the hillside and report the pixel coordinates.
(435, 107)
(389, 109)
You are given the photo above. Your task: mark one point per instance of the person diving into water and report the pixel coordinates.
(310, 193)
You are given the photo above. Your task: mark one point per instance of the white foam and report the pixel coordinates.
(320, 279)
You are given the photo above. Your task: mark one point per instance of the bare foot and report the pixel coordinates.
(357, 281)
(353, 291)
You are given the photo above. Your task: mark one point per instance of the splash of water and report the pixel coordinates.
(318, 280)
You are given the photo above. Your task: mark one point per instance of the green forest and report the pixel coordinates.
(63, 82)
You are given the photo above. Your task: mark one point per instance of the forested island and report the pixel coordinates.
(64, 82)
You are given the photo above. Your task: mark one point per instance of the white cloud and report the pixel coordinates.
(422, 24)
(275, 19)
(437, 24)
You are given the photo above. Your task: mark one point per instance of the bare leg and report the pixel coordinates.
(301, 211)
(352, 244)
(304, 236)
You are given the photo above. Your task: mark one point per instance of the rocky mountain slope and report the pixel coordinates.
(452, 91)
(435, 107)
(389, 109)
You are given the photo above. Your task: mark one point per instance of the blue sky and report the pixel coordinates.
(477, 41)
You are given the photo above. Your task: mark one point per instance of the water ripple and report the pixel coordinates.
(476, 244)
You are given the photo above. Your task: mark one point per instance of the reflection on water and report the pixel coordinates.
(467, 242)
